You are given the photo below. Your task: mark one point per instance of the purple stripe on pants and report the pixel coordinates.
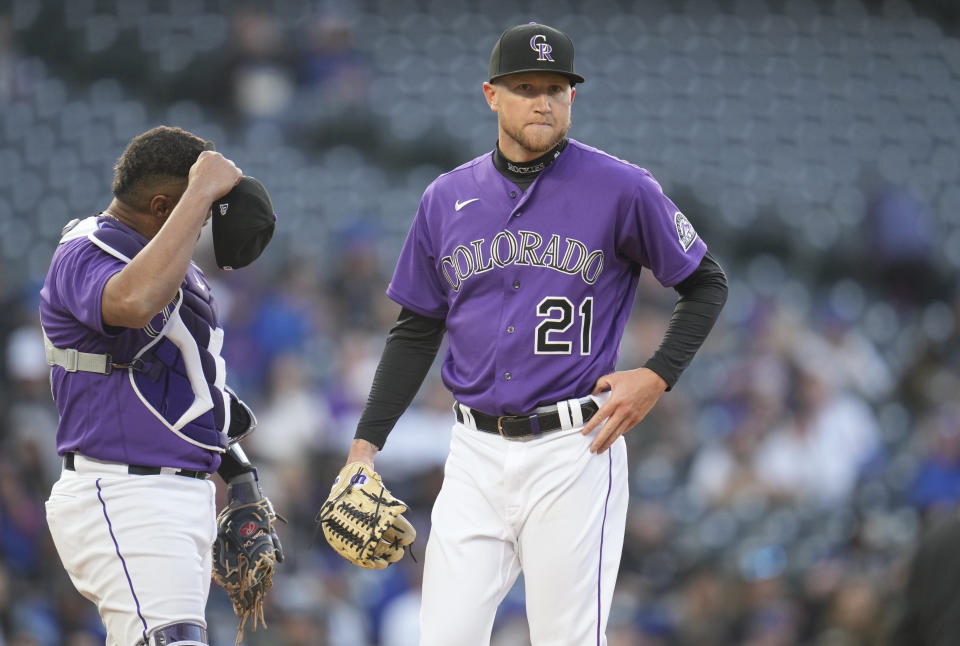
(603, 525)
(122, 560)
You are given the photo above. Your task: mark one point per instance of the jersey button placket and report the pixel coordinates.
(510, 329)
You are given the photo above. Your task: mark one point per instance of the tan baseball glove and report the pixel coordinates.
(362, 520)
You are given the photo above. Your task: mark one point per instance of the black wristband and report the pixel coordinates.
(244, 489)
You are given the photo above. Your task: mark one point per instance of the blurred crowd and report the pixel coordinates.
(777, 492)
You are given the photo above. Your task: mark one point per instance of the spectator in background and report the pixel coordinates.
(294, 415)
(853, 612)
(332, 72)
(932, 374)
(841, 349)
(333, 79)
(928, 606)
(400, 618)
(19, 373)
(288, 317)
(294, 424)
(22, 527)
(902, 236)
(263, 71)
(769, 613)
(707, 607)
(15, 79)
(935, 489)
(816, 453)
(724, 470)
(357, 307)
(31, 423)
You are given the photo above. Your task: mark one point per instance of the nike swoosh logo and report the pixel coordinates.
(459, 205)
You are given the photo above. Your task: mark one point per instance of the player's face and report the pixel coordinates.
(533, 112)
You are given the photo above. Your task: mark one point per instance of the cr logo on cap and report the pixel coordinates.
(540, 45)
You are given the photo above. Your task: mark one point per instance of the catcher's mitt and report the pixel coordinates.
(362, 521)
(246, 551)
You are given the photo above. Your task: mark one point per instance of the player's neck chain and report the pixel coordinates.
(530, 169)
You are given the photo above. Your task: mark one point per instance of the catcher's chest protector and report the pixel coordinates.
(177, 374)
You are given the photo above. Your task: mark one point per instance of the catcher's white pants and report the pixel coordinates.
(547, 507)
(139, 547)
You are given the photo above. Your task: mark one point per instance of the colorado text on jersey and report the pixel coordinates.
(523, 249)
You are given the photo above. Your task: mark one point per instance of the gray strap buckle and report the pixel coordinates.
(72, 360)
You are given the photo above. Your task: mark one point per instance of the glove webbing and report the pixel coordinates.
(246, 583)
(368, 519)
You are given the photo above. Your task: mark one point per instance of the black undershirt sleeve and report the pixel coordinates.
(411, 347)
(702, 296)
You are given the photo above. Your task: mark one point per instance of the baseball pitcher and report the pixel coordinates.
(527, 258)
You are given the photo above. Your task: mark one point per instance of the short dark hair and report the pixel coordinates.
(160, 155)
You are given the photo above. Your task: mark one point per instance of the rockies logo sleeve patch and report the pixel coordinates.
(685, 231)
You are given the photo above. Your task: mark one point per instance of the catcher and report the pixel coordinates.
(133, 341)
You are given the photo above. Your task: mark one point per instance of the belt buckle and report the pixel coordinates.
(500, 426)
(535, 423)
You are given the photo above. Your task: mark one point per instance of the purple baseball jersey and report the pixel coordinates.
(144, 417)
(536, 286)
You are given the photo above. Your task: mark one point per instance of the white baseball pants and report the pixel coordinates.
(139, 547)
(547, 507)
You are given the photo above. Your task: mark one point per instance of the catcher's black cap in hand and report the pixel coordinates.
(533, 48)
(243, 224)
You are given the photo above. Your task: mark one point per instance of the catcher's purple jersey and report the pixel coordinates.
(536, 286)
(128, 416)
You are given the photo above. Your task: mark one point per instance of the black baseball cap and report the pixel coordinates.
(533, 48)
(243, 224)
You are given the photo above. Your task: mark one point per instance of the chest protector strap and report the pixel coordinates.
(71, 360)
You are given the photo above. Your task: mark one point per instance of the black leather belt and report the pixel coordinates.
(523, 426)
(140, 470)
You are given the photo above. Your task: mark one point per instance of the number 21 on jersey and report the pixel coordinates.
(558, 314)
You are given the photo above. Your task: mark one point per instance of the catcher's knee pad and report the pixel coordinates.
(185, 633)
